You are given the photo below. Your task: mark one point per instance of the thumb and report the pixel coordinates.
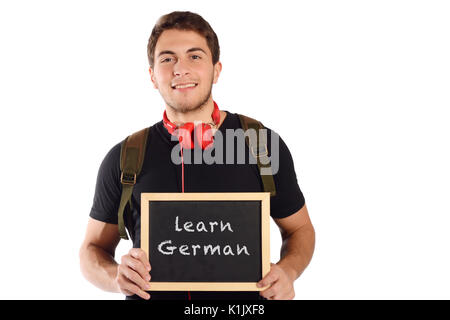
(270, 278)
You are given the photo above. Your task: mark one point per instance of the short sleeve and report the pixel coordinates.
(108, 189)
(289, 198)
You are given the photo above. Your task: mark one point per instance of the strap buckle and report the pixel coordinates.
(259, 154)
(128, 178)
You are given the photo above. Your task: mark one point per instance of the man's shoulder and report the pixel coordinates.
(238, 118)
(251, 118)
(111, 159)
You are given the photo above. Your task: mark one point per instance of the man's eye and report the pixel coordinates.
(166, 60)
(196, 57)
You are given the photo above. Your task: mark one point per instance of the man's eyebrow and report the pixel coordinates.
(196, 49)
(187, 51)
(165, 52)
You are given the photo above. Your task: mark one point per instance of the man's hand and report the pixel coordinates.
(133, 274)
(281, 286)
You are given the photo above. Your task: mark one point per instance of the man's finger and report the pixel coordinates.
(136, 278)
(269, 293)
(270, 278)
(140, 255)
(137, 266)
(130, 287)
(126, 292)
(273, 291)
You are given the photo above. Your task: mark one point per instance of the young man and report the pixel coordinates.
(184, 62)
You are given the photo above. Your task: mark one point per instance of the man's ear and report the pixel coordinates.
(217, 70)
(152, 78)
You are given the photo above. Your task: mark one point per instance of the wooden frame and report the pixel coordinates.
(264, 197)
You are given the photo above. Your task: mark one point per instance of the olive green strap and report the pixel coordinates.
(132, 154)
(127, 191)
(258, 148)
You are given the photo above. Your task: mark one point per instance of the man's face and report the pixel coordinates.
(183, 58)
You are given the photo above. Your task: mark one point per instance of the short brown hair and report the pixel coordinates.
(183, 20)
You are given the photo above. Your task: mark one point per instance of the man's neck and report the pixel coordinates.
(202, 114)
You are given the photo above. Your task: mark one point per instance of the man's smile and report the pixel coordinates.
(184, 86)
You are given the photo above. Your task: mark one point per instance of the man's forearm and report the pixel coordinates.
(99, 267)
(297, 251)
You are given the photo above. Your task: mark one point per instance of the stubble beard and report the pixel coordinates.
(185, 108)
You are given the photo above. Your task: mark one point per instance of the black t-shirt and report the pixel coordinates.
(160, 174)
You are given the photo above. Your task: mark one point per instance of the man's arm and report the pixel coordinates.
(97, 255)
(296, 252)
(99, 267)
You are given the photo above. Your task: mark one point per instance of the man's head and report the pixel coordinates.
(184, 49)
(183, 20)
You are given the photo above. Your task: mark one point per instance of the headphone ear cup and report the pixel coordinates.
(204, 135)
(184, 134)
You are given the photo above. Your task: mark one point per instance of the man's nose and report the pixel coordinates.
(181, 68)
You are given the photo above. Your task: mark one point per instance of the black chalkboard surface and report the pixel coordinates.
(206, 241)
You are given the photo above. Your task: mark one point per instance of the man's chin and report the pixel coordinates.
(185, 107)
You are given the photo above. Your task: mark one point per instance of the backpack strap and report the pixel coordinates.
(132, 154)
(259, 150)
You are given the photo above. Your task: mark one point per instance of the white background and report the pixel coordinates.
(358, 90)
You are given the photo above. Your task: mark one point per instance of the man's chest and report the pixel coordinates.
(168, 177)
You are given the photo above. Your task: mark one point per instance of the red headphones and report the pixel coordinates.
(202, 131)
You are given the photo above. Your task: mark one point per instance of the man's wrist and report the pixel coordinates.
(115, 282)
(291, 272)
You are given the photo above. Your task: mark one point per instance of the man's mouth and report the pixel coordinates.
(184, 85)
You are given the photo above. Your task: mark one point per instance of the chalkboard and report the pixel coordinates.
(206, 241)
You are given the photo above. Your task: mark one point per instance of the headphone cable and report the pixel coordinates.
(182, 185)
